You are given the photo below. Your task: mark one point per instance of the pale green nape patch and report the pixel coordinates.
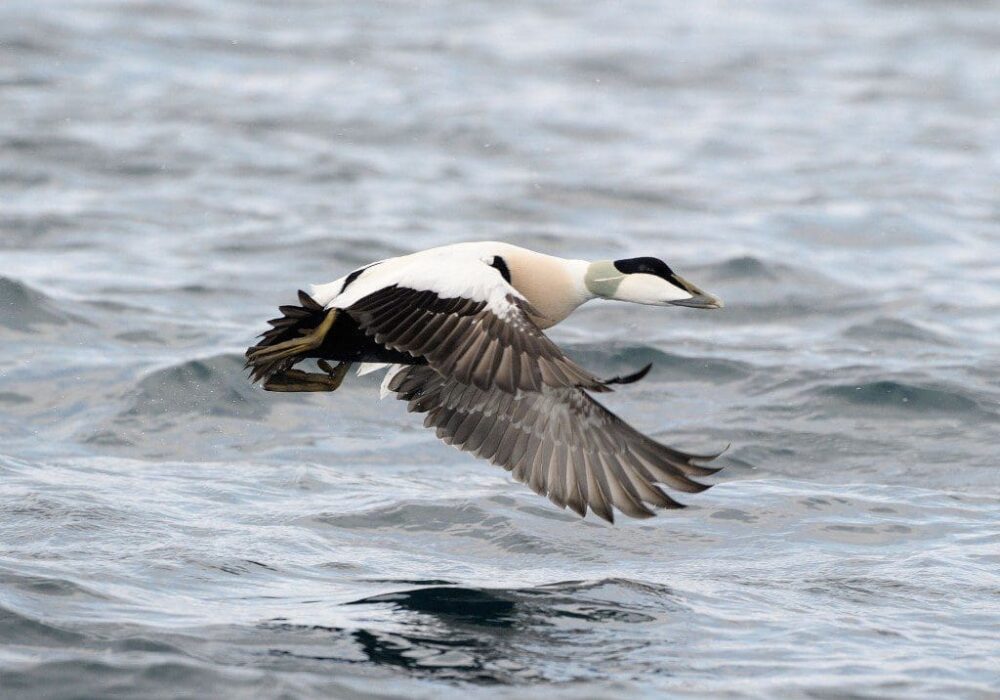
(603, 278)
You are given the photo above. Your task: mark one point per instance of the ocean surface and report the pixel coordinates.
(171, 171)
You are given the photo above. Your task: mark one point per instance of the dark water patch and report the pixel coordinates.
(621, 197)
(26, 310)
(734, 514)
(44, 145)
(452, 604)
(895, 396)
(864, 535)
(39, 229)
(22, 178)
(26, 631)
(765, 274)
(800, 307)
(746, 267)
(871, 590)
(140, 337)
(240, 567)
(415, 582)
(890, 331)
(489, 635)
(661, 595)
(65, 514)
(143, 645)
(45, 586)
(419, 516)
(196, 409)
(610, 599)
(420, 647)
(463, 520)
(143, 675)
(624, 67)
(13, 398)
(106, 438)
(756, 290)
(572, 130)
(154, 10)
(212, 386)
(458, 657)
(23, 81)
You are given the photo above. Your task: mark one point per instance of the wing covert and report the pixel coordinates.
(478, 342)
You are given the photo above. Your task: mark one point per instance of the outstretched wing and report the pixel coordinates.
(559, 441)
(481, 334)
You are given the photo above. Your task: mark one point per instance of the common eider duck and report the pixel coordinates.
(460, 330)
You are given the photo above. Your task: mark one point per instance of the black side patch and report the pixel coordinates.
(357, 273)
(501, 265)
(351, 277)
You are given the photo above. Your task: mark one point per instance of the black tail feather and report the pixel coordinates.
(308, 302)
(295, 322)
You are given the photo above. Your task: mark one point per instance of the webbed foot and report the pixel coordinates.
(296, 380)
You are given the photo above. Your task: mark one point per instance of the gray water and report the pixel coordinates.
(171, 171)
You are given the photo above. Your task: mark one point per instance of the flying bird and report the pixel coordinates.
(459, 329)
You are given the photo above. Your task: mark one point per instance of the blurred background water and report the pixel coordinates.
(170, 171)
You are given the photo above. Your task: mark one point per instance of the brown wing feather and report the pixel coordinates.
(559, 441)
(465, 339)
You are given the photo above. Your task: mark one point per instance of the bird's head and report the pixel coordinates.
(646, 281)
